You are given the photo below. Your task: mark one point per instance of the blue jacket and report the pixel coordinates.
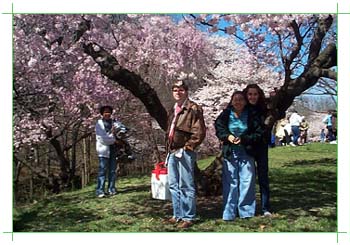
(250, 138)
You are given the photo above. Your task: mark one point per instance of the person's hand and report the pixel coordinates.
(231, 138)
(188, 148)
(237, 140)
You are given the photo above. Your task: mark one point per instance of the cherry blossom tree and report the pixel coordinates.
(58, 84)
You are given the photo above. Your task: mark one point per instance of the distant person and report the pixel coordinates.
(328, 121)
(295, 120)
(304, 127)
(240, 129)
(334, 124)
(186, 131)
(322, 136)
(288, 133)
(283, 132)
(107, 152)
(279, 132)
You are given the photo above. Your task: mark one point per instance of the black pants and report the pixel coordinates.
(263, 176)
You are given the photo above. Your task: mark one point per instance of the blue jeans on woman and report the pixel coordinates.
(182, 185)
(238, 182)
(105, 164)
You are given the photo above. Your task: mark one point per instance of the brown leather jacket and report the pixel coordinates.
(189, 128)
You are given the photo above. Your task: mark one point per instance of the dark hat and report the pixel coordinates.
(102, 108)
(180, 83)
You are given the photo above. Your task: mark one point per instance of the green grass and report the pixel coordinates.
(303, 184)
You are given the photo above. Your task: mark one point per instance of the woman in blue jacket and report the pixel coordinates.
(239, 129)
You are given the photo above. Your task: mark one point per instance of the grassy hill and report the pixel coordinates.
(303, 197)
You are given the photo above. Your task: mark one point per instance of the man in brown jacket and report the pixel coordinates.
(186, 131)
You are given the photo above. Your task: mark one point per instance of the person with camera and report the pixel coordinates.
(107, 152)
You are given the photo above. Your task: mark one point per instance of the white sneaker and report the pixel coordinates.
(131, 157)
(101, 195)
(267, 214)
(292, 144)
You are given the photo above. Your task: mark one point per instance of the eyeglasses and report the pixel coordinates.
(178, 90)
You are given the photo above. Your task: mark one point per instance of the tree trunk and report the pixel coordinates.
(84, 165)
(88, 168)
(64, 162)
(31, 185)
(48, 161)
(19, 166)
(208, 181)
(73, 165)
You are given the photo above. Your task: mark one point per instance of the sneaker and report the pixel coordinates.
(112, 193)
(185, 224)
(267, 214)
(131, 157)
(101, 195)
(246, 218)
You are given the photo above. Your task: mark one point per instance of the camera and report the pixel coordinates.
(124, 151)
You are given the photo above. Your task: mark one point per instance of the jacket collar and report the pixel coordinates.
(185, 104)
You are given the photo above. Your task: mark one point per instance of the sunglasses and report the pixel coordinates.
(175, 90)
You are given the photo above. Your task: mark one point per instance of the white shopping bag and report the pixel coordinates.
(159, 182)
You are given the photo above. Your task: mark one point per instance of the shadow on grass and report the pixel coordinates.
(309, 163)
(299, 192)
(135, 188)
(47, 219)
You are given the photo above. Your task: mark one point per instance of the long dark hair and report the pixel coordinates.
(261, 100)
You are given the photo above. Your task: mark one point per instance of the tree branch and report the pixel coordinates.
(129, 80)
(316, 43)
(82, 28)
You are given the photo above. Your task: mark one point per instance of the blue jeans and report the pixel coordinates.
(330, 134)
(263, 176)
(296, 134)
(238, 182)
(105, 164)
(182, 185)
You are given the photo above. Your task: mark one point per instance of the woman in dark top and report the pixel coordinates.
(256, 99)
